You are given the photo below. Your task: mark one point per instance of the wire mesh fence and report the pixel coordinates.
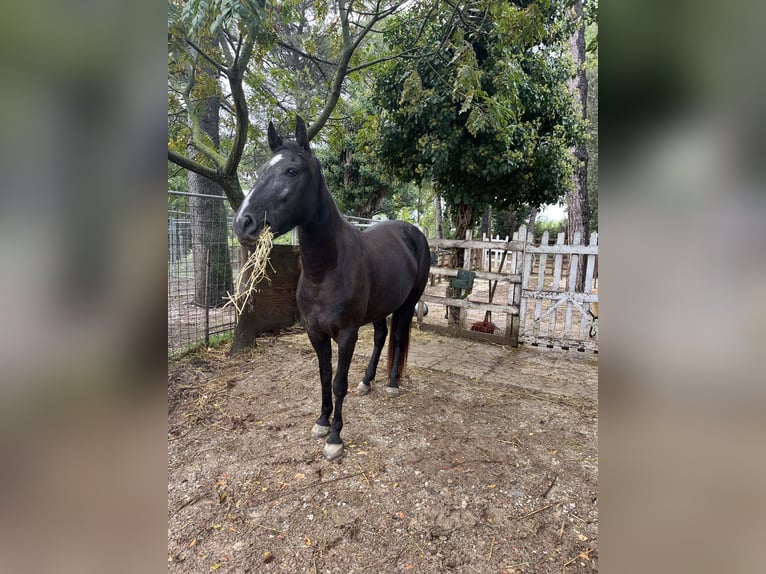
(203, 259)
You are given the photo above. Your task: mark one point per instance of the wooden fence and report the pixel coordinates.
(521, 292)
(504, 301)
(559, 294)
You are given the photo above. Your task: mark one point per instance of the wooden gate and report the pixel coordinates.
(559, 294)
(489, 308)
(528, 292)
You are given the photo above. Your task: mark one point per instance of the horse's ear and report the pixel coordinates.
(300, 132)
(275, 142)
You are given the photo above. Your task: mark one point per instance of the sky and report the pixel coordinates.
(552, 212)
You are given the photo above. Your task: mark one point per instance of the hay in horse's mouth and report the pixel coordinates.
(253, 271)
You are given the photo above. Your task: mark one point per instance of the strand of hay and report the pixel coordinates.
(252, 272)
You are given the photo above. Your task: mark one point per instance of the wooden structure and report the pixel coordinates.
(506, 272)
(534, 294)
(559, 294)
(275, 300)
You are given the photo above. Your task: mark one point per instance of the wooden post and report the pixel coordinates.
(585, 321)
(463, 313)
(558, 262)
(518, 264)
(207, 298)
(574, 262)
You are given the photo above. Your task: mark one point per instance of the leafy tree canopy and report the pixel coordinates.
(486, 114)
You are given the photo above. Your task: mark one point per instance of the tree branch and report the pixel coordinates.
(350, 44)
(195, 166)
(235, 75)
(383, 59)
(300, 52)
(217, 65)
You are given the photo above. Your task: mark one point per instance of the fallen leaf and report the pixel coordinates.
(582, 537)
(307, 540)
(491, 486)
(216, 566)
(300, 475)
(193, 543)
(552, 452)
(400, 515)
(267, 557)
(409, 566)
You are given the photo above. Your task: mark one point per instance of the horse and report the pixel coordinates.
(349, 278)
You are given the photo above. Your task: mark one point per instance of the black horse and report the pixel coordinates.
(349, 278)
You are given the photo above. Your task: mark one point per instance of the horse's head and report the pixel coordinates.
(285, 194)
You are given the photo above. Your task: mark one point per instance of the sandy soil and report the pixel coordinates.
(486, 462)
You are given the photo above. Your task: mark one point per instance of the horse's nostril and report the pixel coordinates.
(247, 224)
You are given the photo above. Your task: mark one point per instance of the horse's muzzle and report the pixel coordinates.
(247, 230)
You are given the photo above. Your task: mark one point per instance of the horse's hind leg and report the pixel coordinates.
(381, 332)
(399, 344)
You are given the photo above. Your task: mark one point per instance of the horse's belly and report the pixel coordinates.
(384, 302)
(329, 313)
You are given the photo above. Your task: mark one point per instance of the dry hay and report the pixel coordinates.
(252, 272)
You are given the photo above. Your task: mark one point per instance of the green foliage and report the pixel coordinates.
(505, 222)
(359, 182)
(200, 17)
(178, 180)
(553, 227)
(489, 118)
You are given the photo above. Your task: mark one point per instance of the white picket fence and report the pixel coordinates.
(551, 293)
(553, 311)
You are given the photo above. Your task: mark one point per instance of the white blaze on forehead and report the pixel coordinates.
(277, 158)
(270, 163)
(243, 207)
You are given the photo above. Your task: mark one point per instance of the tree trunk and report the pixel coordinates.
(438, 210)
(463, 222)
(245, 335)
(484, 230)
(209, 227)
(212, 264)
(578, 209)
(532, 221)
(592, 148)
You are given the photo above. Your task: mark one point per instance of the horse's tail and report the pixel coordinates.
(403, 331)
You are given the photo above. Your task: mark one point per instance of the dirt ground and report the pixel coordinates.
(486, 462)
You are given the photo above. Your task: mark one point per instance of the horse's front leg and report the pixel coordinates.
(333, 448)
(323, 350)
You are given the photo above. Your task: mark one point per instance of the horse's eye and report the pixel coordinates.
(291, 171)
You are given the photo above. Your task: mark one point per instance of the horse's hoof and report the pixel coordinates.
(332, 451)
(319, 431)
(392, 392)
(362, 389)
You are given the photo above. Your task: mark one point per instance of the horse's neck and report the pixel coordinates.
(321, 239)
